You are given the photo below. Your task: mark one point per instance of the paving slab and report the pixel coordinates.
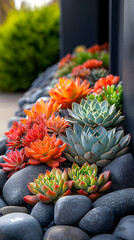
(8, 105)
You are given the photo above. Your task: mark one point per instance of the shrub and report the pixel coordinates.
(29, 43)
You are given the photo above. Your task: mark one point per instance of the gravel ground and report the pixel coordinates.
(8, 105)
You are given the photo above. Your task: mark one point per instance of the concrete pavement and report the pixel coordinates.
(8, 105)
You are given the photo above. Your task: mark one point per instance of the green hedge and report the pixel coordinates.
(29, 43)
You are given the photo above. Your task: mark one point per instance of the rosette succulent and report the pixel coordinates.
(86, 182)
(38, 131)
(14, 161)
(93, 63)
(68, 91)
(94, 145)
(49, 187)
(56, 124)
(15, 135)
(41, 109)
(95, 113)
(48, 150)
(104, 81)
(96, 74)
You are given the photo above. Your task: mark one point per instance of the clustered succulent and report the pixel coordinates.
(92, 135)
(94, 113)
(80, 56)
(86, 182)
(94, 145)
(49, 187)
(112, 94)
(55, 184)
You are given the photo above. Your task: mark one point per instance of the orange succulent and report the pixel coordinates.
(94, 48)
(93, 63)
(56, 124)
(64, 60)
(68, 91)
(15, 135)
(98, 48)
(103, 82)
(104, 46)
(47, 151)
(41, 108)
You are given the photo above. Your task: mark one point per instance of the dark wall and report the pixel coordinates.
(128, 67)
(83, 22)
(116, 24)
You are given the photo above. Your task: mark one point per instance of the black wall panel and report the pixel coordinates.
(83, 22)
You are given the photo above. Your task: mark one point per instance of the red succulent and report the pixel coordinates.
(14, 161)
(93, 63)
(48, 151)
(15, 135)
(65, 60)
(81, 72)
(94, 48)
(98, 48)
(38, 131)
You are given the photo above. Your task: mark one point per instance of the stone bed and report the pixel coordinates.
(111, 217)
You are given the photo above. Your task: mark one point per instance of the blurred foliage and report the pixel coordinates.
(5, 7)
(29, 43)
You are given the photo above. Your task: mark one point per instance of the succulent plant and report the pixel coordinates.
(94, 145)
(86, 182)
(112, 94)
(49, 187)
(95, 113)
(68, 91)
(41, 109)
(38, 131)
(81, 72)
(15, 135)
(48, 150)
(56, 124)
(64, 60)
(96, 74)
(14, 161)
(104, 81)
(93, 63)
(98, 48)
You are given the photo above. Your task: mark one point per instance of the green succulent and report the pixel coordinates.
(49, 187)
(95, 74)
(112, 94)
(86, 182)
(95, 113)
(66, 69)
(94, 145)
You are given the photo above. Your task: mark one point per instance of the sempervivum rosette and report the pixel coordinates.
(49, 187)
(86, 182)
